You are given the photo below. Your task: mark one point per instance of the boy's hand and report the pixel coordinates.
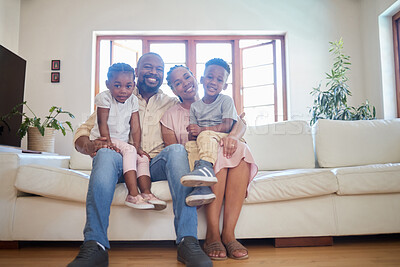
(191, 137)
(194, 129)
(230, 144)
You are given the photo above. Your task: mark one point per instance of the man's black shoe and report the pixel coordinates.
(90, 254)
(191, 254)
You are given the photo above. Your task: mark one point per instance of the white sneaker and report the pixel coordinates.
(138, 202)
(152, 199)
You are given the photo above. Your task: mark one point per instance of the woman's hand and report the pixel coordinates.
(229, 144)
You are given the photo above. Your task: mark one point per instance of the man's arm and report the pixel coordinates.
(81, 138)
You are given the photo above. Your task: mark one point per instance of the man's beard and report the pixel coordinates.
(142, 86)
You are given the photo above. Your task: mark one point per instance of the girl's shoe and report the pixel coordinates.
(152, 199)
(138, 202)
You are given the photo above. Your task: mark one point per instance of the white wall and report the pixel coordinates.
(63, 30)
(374, 86)
(9, 24)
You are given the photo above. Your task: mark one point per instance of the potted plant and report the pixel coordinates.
(332, 103)
(41, 134)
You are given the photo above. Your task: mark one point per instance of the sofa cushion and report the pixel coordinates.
(80, 161)
(291, 184)
(282, 145)
(66, 184)
(371, 179)
(355, 143)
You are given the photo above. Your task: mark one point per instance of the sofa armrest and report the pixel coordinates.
(9, 163)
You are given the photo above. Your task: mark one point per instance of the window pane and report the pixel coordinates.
(105, 61)
(207, 51)
(251, 42)
(256, 56)
(259, 115)
(166, 89)
(171, 53)
(256, 76)
(258, 96)
(127, 51)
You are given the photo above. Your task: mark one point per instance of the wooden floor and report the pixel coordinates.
(383, 250)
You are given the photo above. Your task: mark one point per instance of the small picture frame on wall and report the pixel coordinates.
(55, 65)
(55, 77)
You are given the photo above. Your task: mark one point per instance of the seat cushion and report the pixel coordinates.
(66, 184)
(291, 184)
(282, 145)
(370, 179)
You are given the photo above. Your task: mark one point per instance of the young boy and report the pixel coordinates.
(211, 119)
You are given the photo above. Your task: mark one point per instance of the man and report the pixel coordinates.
(107, 171)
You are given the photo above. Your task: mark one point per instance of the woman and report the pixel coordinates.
(233, 172)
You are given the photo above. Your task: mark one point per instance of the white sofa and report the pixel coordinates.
(355, 190)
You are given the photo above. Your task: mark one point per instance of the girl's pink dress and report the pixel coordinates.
(177, 119)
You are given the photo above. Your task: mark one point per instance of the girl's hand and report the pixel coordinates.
(141, 152)
(194, 129)
(230, 144)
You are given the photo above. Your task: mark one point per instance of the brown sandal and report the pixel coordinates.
(215, 246)
(233, 246)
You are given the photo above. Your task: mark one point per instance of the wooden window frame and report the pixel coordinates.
(191, 41)
(396, 40)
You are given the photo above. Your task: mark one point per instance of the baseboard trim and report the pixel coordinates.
(303, 241)
(9, 244)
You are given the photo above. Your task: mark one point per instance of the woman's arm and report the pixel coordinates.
(230, 142)
(168, 136)
(224, 127)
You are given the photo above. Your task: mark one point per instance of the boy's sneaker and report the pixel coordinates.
(152, 199)
(200, 196)
(138, 202)
(202, 175)
(191, 254)
(90, 255)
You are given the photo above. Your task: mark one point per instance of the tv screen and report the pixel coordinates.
(12, 82)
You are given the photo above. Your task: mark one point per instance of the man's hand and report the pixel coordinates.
(90, 147)
(193, 129)
(229, 144)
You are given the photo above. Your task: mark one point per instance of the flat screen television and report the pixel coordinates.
(12, 83)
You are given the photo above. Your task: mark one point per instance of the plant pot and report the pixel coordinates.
(38, 142)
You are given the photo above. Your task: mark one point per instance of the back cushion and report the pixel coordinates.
(282, 145)
(80, 161)
(352, 143)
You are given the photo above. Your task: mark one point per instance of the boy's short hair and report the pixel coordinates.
(219, 62)
(119, 67)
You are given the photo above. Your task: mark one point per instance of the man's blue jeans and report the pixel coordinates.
(171, 164)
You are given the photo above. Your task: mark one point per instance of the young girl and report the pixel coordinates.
(234, 167)
(118, 121)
